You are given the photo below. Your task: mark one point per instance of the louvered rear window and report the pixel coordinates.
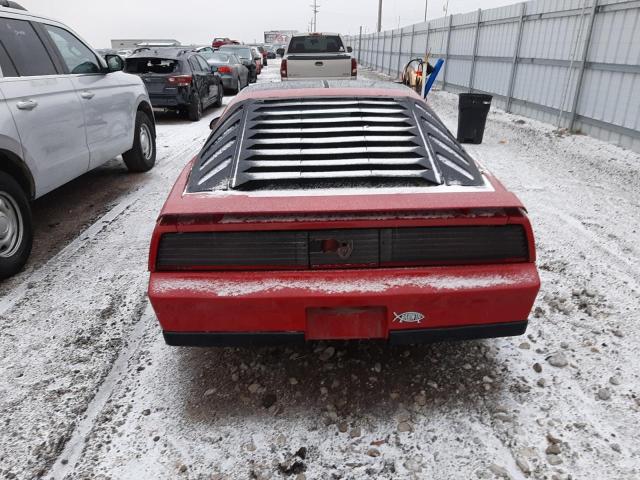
(338, 142)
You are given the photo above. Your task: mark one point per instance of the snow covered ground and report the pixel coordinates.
(88, 388)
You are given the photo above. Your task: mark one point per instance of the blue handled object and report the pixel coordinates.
(432, 77)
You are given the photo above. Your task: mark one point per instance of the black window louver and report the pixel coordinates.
(332, 142)
(455, 164)
(214, 167)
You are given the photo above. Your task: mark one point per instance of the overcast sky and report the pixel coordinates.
(198, 21)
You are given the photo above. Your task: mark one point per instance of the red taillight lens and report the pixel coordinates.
(224, 69)
(179, 80)
(354, 67)
(283, 69)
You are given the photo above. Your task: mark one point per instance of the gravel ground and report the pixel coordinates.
(89, 390)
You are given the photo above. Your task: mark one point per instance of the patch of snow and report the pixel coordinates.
(226, 288)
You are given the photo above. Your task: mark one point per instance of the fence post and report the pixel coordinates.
(516, 55)
(371, 42)
(446, 54)
(583, 65)
(391, 52)
(384, 47)
(413, 35)
(426, 43)
(475, 52)
(400, 51)
(360, 46)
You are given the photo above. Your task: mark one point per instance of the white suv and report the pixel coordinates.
(63, 111)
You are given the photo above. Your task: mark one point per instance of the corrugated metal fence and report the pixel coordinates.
(538, 59)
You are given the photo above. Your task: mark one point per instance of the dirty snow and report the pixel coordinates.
(89, 390)
(227, 288)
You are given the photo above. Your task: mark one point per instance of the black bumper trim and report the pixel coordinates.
(263, 339)
(396, 337)
(471, 332)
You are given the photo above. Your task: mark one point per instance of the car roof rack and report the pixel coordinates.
(331, 141)
(10, 4)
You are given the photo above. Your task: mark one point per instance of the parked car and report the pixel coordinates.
(334, 212)
(245, 55)
(220, 41)
(271, 52)
(234, 75)
(263, 52)
(257, 58)
(177, 79)
(318, 56)
(64, 110)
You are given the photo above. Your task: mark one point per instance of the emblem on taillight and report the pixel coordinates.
(343, 249)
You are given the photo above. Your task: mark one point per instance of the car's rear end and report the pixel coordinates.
(263, 52)
(225, 67)
(167, 77)
(245, 55)
(318, 56)
(338, 214)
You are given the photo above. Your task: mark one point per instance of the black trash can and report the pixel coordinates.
(473, 109)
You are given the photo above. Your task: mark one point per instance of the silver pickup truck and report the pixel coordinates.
(320, 56)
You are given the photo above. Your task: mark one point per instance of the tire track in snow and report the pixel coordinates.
(66, 461)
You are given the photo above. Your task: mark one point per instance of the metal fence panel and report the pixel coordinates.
(530, 57)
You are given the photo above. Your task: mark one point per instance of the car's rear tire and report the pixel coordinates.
(142, 157)
(195, 109)
(218, 102)
(16, 229)
(238, 87)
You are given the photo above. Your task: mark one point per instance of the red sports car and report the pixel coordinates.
(338, 210)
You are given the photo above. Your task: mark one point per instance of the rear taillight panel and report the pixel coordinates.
(180, 80)
(347, 248)
(354, 67)
(283, 69)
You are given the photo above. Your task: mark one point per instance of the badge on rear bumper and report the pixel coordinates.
(408, 317)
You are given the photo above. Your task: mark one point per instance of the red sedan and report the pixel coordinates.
(331, 211)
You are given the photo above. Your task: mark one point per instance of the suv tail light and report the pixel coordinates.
(179, 80)
(354, 67)
(283, 69)
(224, 69)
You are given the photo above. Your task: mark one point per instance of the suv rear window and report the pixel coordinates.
(316, 44)
(160, 66)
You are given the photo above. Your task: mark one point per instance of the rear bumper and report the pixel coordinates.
(169, 101)
(404, 337)
(228, 81)
(397, 305)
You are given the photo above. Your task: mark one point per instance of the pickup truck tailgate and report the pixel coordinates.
(319, 66)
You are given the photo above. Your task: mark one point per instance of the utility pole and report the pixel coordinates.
(315, 8)
(426, 6)
(379, 15)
